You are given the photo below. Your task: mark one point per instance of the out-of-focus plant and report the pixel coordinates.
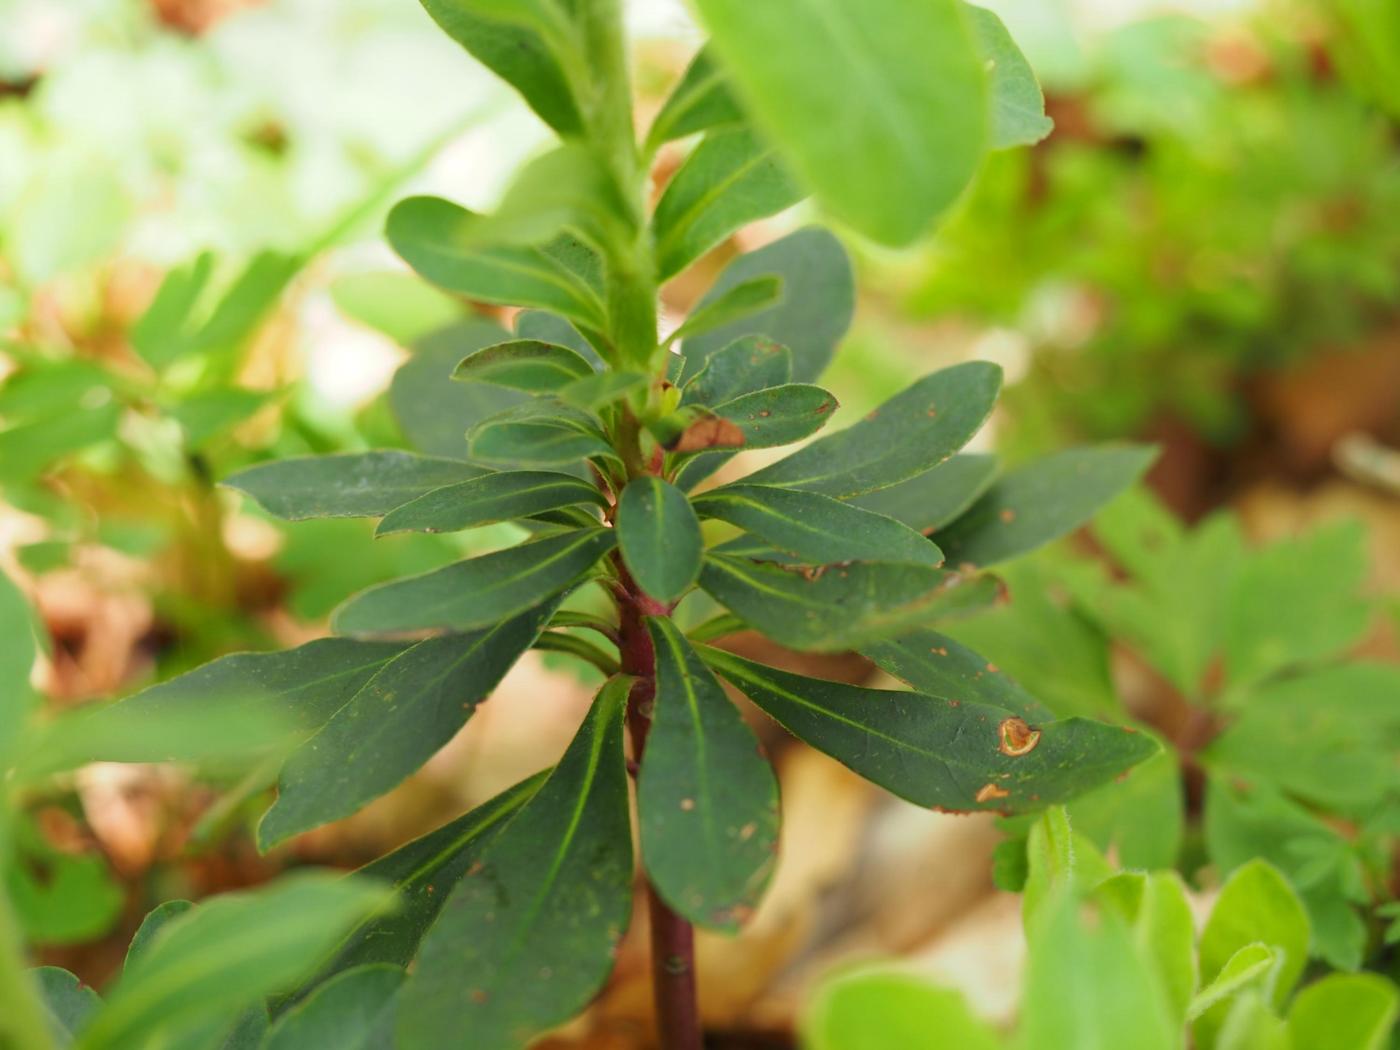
(1115, 961)
(1216, 204)
(1277, 744)
(587, 431)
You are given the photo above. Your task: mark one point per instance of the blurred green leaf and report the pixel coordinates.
(880, 1009)
(355, 1010)
(935, 664)
(69, 1003)
(401, 306)
(730, 180)
(1018, 108)
(700, 100)
(1256, 905)
(1353, 1011)
(889, 166)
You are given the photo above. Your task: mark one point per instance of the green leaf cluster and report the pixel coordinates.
(1115, 959)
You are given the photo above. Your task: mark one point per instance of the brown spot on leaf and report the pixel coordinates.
(747, 831)
(709, 432)
(1017, 738)
(479, 996)
(1008, 515)
(991, 791)
(687, 804)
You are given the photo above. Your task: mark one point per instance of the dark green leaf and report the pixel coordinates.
(811, 317)
(1041, 501)
(434, 412)
(436, 238)
(779, 415)
(1018, 108)
(491, 498)
(935, 664)
(745, 298)
(69, 1003)
(518, 56)
(750, 363)
(524, 364)
(879, 104)
(707, 799)
(402, 716)
(528, 936)
(539, 433)
(836, 607)
(155, 921)
(700, 101)
(909, 434)
(227, 954)
(478, 592)
(353, 1011)
(934, 752)
(930, 500)
(816, 529)
(346, 484)
(659, 537)
(731, 179)
(423, 873)
(237, 705)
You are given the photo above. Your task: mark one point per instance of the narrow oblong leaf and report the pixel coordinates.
(745, 298)
(516, 54)
(1040, 502)
(890, 164)
(1018, 108)
(830, 608)
(423, 873)
(477, 592)
(346, 484)
(528, 935)
(539, 433)
(707, 798)
(437, 239)
(750, 363)
(524, 364)
(659, 537)
(816, 529)
(1248, 967)
(911, 433)
(401, 717)
(224, 955)
(503, 496)
(930, 500)
(811, 317)
(941, 753)
(780, 415)
(731, 179)
(933, 663)
(353, 1011)
(602, 388)
(700, 100)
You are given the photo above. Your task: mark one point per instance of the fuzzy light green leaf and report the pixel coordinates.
(700, 100)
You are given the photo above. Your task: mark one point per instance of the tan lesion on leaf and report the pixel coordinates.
(989, 792)
(1016, 737)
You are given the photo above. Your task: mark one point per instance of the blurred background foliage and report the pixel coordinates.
(1205, 253)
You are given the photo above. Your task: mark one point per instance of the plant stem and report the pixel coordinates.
(672, 937)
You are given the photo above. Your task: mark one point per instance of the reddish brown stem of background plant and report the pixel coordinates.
(672, 937)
